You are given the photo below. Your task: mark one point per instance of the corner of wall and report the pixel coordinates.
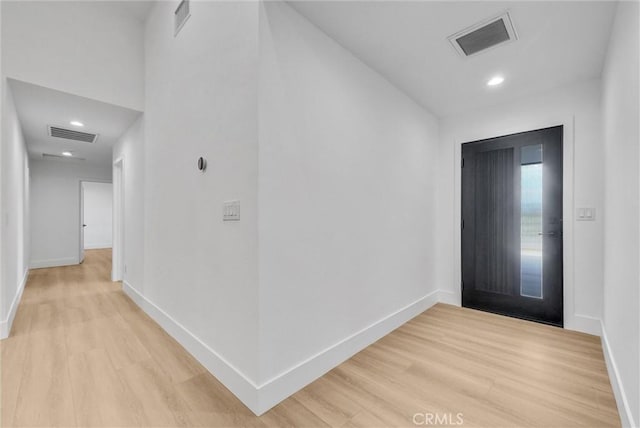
(232, 378)
(261, 398)
(449, 297)
(586, 324)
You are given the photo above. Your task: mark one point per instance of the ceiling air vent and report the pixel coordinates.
(484, 35)
(70, 134)
(180, 16)
(59, 157)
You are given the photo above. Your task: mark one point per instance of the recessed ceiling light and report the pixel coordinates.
(496, 80)
(67, 154)
(76, 123)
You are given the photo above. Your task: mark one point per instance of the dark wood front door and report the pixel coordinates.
(512, 225)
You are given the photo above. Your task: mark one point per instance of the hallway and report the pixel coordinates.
(82, 354)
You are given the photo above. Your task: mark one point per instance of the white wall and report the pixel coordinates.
(347, 168)
(621, 320)
(87, 48)
(577, 107)
(201, 100)
(200, 277)
(98, 210)
(15, 210)
(130, 148)
(55, 209)
(3, 86)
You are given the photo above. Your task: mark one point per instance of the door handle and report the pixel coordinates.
(84, 225)
(547, 234)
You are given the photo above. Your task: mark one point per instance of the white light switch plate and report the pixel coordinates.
(231, 211)
(585, 214)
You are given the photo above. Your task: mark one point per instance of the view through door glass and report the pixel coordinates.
(512, 225)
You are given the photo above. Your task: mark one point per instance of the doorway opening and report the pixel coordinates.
(117, 256)
(96, 213)
(512, 225)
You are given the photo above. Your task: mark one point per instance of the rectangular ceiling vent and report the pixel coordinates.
(484, 35)
(180, 16)
(70, 134)
(59, 157)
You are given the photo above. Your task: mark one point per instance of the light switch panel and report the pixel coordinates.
(586, 214)
(231, 211)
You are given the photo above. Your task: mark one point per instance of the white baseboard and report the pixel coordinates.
(449, 297)
(586, 324)
(97, 246)
(66, 261)
(616, 382)
(260, 398)
(282, 386)
(239, 384)
(5, 325)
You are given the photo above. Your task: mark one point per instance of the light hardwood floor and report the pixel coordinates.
(82, 354)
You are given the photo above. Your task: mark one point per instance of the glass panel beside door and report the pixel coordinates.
(512, 225)
(531, 246)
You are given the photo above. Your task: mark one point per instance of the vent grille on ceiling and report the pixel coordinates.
(484, 35)
(180, 16)
(70, 134)
(59, 157)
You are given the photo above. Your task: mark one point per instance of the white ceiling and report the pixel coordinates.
(406, 41)
(38, 107)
